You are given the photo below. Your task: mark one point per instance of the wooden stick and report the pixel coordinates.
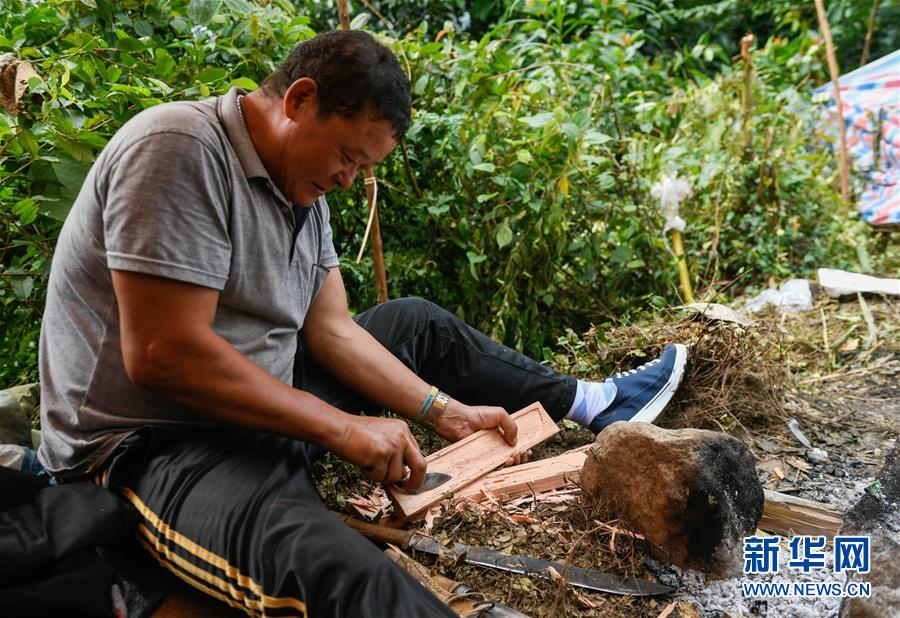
(869, 32)
(528, 478)
(843, 159)
(746, 92)
(784, 514)
(343, 14)
(381, 288)
(473, 457)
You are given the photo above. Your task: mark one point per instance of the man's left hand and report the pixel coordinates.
(459, 421)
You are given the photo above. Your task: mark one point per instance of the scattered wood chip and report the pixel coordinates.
(798, 463)
(667, 610)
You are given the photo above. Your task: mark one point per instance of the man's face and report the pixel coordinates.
(313, 154)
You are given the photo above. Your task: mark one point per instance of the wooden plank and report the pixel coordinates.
(788, 515)
(528, 478)
(474, 456)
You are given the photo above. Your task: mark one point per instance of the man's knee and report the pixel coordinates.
(411, 307)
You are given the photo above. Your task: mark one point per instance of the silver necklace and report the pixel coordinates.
(240, 106)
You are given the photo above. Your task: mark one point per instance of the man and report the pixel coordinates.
(171, 366)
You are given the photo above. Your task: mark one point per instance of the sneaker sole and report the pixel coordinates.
(656, 405)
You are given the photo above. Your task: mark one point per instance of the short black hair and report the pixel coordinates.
(355, 75)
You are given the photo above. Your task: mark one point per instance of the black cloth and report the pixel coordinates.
(48, 541)
(237, 515)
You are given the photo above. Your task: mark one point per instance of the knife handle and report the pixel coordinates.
(382, 534)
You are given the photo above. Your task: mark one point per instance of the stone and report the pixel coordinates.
(17, 405)
(877, 515)
(693, 494)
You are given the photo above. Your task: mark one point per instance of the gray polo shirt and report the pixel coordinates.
(179, 192)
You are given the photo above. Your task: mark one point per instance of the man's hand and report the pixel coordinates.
(460, 420)
(384, 448)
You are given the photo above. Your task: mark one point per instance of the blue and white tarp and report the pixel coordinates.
(870, 98)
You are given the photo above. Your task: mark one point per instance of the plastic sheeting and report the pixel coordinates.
(870, 98)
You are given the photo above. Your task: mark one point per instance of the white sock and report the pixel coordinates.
(591, 398)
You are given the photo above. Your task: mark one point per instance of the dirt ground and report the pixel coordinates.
(820, 432)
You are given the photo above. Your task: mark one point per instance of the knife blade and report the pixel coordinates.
(432, 480)
(576, 576)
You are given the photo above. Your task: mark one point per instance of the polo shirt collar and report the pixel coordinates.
(243, 146)
(240, 137)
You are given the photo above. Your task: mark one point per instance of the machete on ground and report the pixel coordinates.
(576, 576)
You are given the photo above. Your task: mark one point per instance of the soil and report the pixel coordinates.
(840, 389)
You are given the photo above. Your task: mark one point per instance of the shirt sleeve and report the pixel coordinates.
(166, 210)
(328, 256)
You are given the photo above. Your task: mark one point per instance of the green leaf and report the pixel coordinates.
(26, 210)
(143, 28)
(538, 120)
(244, 82)
(359, 22)
(201, 12)
(596, 138)
(129, 44)
(474, 258)
(164, 62)
(439, 210)
(23, 287)
(421, 85)
(70, 175)
(28, 142)
(504, 235)
(524, 156)
(241, 7)
(482, 198)
(635, 264)
(484, 167)
(212, 74)
(113, 73)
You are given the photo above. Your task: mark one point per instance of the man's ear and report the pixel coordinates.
(303, 93)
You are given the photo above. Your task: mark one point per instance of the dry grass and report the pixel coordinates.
(734, 380)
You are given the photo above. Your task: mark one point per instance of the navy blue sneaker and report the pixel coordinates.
(642, 393)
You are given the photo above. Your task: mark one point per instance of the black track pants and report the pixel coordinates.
(235, 513)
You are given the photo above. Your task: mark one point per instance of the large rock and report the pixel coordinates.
(693, 494)
(877, 515)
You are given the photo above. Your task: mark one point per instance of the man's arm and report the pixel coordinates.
(169, 347)
(357, 359)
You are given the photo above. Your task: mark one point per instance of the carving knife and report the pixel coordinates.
(432, 480)
(576, 576)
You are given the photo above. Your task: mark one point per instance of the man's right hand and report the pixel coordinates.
(384, 448)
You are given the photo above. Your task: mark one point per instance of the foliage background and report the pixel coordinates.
(521, 196)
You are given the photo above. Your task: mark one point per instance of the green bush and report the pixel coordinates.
(521, 197)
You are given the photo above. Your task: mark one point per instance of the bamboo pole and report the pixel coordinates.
(684, 276)
(381, 289)
(746, 92)
(843, 158)
(870, 30)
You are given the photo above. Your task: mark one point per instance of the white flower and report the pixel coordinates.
(671, 192)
